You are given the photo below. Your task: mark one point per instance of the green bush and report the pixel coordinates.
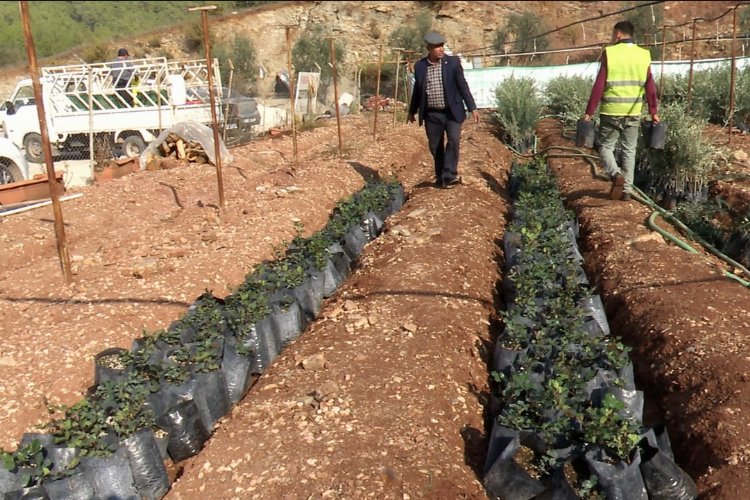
(243, 55)
(687, 159)
(567, 97)
(311, 48)
(518, 108)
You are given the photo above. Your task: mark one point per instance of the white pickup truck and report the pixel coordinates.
(13, 166)
(158, 94)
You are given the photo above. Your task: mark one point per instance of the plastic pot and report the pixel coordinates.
(107, 366)
(111, 477)
(187, 433)
(585, 133)
(619, 480)
(149, 474)
(662, 477)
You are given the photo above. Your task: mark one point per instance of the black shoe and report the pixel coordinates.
(453, 182)
(618, 185)
(439, 184)
(626, 197)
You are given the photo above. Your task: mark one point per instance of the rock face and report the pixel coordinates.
(469, 28)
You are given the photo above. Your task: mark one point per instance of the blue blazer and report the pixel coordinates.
(454, 86)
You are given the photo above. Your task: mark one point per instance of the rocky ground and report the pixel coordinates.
(386, 394)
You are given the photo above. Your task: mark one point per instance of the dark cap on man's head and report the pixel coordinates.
(122, 52)
(433, 38)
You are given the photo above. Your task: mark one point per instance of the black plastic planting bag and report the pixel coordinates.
(110, 476)
(10, 481)
(509, 481)
(187, 433)
(288, 323)
(355, 240)
(662, 477)
(332, 279)
(504, 359)
(557, 487)
(503, 441)
(657, 437)
(104, 369)
(620, 481)
(341, 261)
(397, 199)
(595, 319)
(633, 400)
(268, 346)
(212, 393)
(372, 225)
(73, 487)
(309, 294)
(238, 368)
(31, 493)
(512, 242)
(149, 474)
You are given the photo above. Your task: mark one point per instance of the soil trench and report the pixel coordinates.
(398, 408)
(686, 323)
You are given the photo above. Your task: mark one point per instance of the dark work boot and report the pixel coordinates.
(618, 185)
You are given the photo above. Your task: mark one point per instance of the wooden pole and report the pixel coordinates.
(212, 98)
(291, 93)
(692, 60)
(731, 83)
(395, 91)
(54, 187)
(377, 94)
(226, 108)
(336, 97)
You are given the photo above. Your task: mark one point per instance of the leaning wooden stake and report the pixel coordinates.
(212, 98)
(54, 187)
(377, 95)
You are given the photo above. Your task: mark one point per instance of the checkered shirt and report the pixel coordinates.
(435, 95)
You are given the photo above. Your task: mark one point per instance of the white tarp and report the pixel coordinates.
(188, 131)
(482, 82)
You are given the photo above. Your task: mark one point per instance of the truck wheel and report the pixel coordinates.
(32, 144)
(133, 146)
(9, 172)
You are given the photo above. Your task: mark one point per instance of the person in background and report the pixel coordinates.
(623, 79)
(440, 92)
(122, 72)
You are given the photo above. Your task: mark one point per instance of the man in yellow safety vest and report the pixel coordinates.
(623, 80)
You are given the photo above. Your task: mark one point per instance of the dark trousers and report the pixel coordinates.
(440, 125)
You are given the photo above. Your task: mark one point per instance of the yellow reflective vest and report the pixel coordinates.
(627, 68)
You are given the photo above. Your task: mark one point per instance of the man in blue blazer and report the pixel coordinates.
(440, 92)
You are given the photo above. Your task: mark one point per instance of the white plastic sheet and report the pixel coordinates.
(188, 131)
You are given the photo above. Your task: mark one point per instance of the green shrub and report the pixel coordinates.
(687, 159)
(518, 108)
(523, 28)
(567, 97)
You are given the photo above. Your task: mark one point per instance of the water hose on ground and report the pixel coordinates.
(641, 197)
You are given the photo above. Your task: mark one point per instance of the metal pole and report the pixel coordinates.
(395, 91)
(92, 155)
(663, 55)
(226, 108)
(336, 97)
(731, 83)
(54, 187)
(692, 59)
(291, 93)
(212, 98)
(377, 94)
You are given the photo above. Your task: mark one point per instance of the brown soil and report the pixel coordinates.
(402, 396)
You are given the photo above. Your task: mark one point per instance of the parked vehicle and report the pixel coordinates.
(158, 95)
(13, 166)
(241, 110)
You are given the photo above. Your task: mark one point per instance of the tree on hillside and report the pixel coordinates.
(412, 37)
(243, 55)
(523, 29)
(313, 50)
(647, 20)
